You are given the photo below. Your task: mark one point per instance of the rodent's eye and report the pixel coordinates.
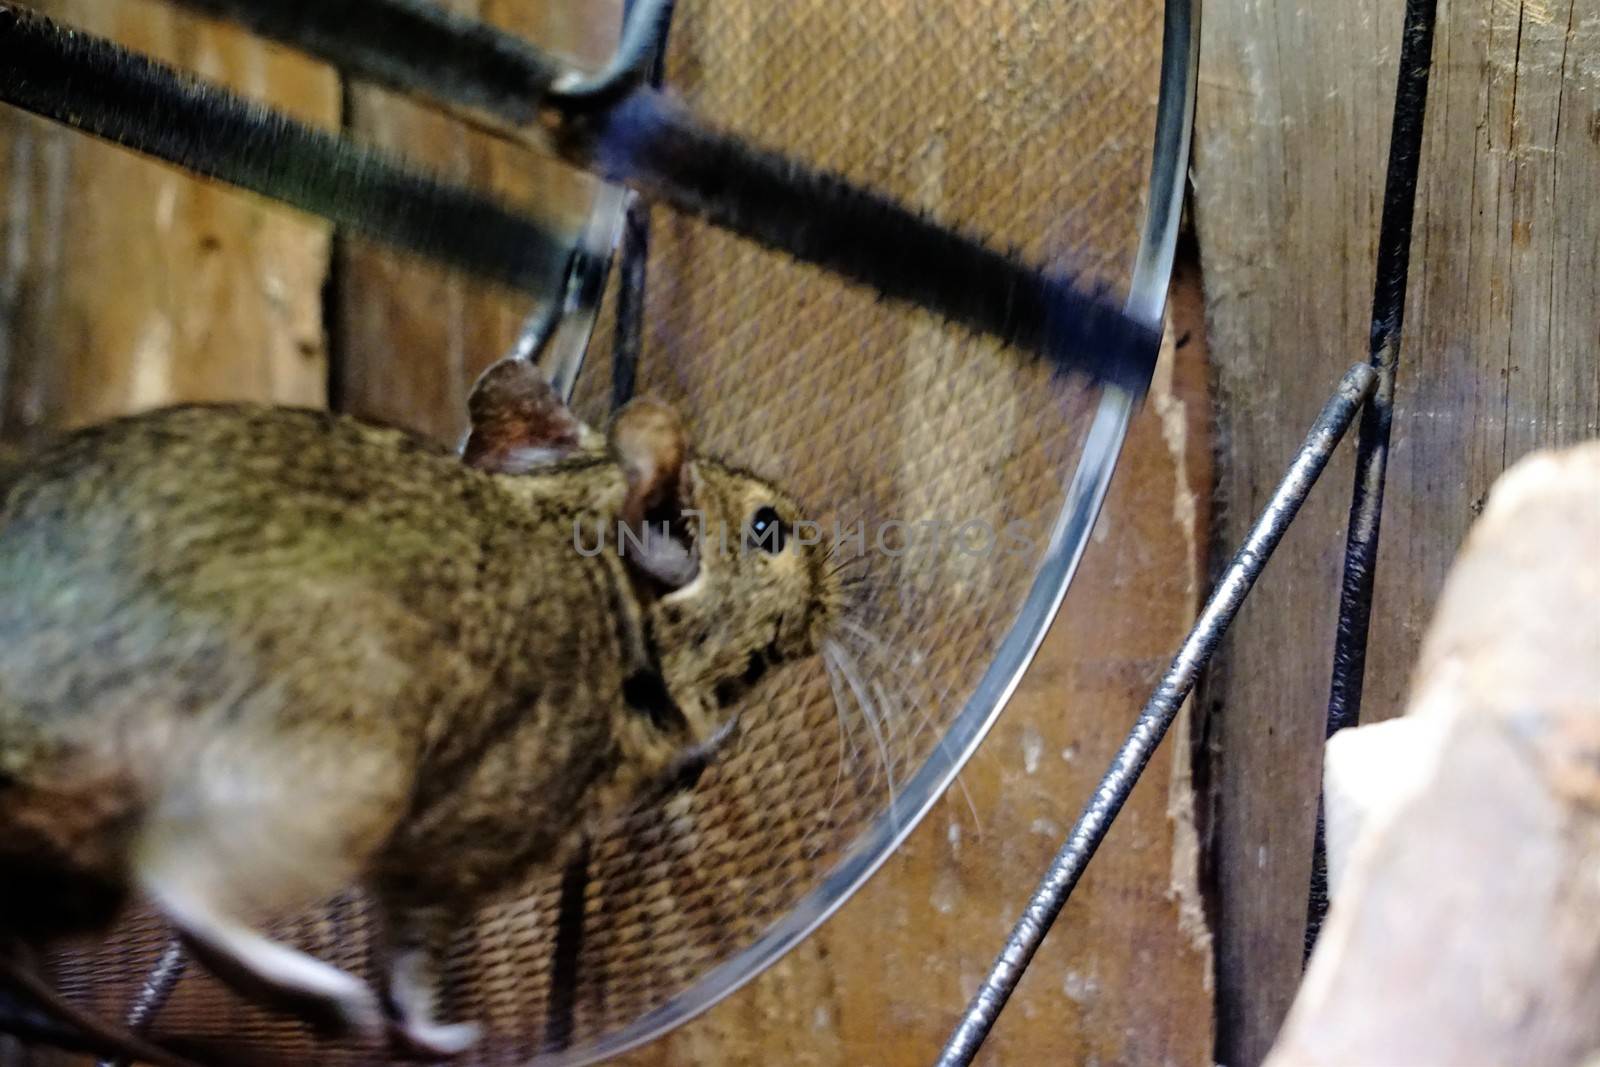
(766, 531)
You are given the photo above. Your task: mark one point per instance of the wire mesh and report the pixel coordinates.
(1029, 122)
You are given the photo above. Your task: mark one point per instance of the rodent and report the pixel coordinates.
(250, 656)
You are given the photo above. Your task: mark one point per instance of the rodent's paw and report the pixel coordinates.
(433, 1041)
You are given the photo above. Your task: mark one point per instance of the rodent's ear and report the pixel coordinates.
(652, 448)
(519, 423)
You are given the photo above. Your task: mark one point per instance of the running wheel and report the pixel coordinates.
(1004, 119)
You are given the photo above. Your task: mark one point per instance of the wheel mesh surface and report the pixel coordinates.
(1027, 122)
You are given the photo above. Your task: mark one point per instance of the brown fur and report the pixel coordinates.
(259, 654)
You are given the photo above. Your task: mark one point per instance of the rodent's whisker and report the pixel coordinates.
(835, 681)
(872, 642)
(944, 745)
(846, 732)
(892, 664)
(886, 703)
(874, 647)
(859, 591)
(852, 677)
(866, 653)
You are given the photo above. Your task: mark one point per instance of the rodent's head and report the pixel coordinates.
(762, 593)
(730, 584)
(737, 588)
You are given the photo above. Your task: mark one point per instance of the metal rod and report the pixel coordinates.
(1157, 716)
(557, 335)
(156, 989)
(1372, 439)
(563, 357)
(658, 148)
(638, 55)
(627, 344)
(30, 1025)
(100, 88)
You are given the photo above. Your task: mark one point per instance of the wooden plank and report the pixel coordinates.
(124, 283)
(1292, 122)
(1503, 306)
(1499, 357)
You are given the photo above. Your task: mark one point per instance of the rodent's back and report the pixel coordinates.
(166, 540)
(254, 584)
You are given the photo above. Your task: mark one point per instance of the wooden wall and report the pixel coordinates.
(1500, 356)
(123, 285)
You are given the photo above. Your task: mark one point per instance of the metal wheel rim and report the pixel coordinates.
(1069, 537)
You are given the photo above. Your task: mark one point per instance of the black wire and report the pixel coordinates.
(406, 44)
(561, 1010)
(1372, 456)
(655, 146)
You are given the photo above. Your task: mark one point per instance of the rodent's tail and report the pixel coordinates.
(96, 1035)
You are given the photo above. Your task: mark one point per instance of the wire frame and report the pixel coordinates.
(972, 474)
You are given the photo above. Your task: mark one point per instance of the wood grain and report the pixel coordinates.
(125, 284)
(1499, 356)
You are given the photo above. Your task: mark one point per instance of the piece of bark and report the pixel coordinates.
(1463, 930)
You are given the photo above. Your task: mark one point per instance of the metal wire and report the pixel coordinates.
(562, 358)
(158, 985)
(628, 343)
(568, 950)
(637, 56)
(1157, 715)
(1372, 439)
